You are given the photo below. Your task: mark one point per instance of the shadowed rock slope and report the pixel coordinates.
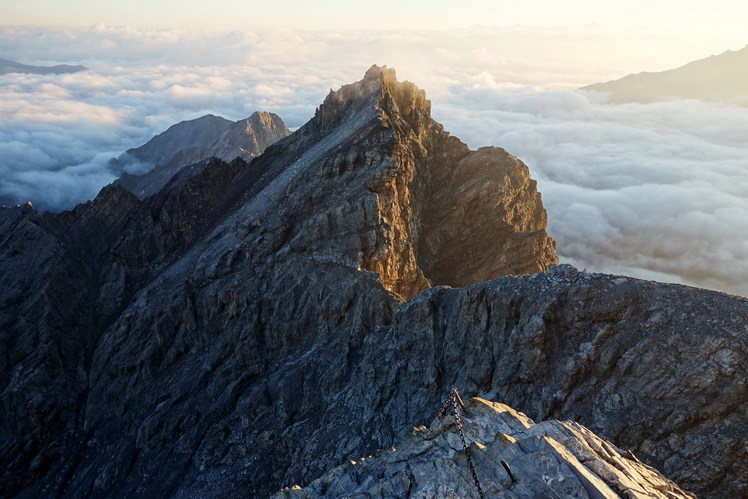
(253, 325)
(511, 455)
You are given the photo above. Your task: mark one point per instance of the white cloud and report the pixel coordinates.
(657, 191)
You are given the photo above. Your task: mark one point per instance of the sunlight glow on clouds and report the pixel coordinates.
(719, 21)
(657, 191)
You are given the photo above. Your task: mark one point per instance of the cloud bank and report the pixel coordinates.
(655, 191)
(57, 132)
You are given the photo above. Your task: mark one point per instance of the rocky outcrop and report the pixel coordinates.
(190, 142)
(252, 326)
(511, 455)
(658, 369)
(442, 214)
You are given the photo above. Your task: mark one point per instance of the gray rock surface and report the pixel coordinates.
(146, 169)
(250, 327)
(549, 459)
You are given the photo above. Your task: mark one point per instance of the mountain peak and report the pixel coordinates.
(379, 91)
(146, 169)
(403, 98)
(380, 73)
(268, 121)
(441, 210)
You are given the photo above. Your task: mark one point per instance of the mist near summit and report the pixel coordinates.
(655, 191)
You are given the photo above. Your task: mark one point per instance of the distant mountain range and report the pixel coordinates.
(7, 66)
(146, 169)
(719, 78)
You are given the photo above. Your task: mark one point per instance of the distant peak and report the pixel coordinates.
(202, 121)
(265, 117)
(210, 117)
(267, 121)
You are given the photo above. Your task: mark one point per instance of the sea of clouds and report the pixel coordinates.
(657, 191)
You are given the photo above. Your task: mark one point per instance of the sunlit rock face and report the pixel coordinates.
(253, 325)
(445, 214)
(510, 455)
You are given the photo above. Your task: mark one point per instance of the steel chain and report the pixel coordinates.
(454, 397)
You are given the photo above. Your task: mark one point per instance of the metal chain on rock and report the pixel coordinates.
(454, 397)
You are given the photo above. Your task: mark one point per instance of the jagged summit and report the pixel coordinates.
(446, 215)
(379, 89)
(379, 73)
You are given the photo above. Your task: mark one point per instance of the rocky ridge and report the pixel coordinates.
(146, 169)
(253, 325)
(512, 456)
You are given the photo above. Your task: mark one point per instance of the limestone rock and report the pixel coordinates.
(445, 215)
(252, 326)
(512, 457)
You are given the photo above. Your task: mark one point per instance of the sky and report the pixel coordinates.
(669, 15)
(656, 191)
(696, 25)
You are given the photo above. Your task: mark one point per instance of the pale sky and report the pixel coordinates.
(719, 17)
(684, 29)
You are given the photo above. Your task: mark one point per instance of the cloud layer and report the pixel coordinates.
(57, 132)
(656, 191)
